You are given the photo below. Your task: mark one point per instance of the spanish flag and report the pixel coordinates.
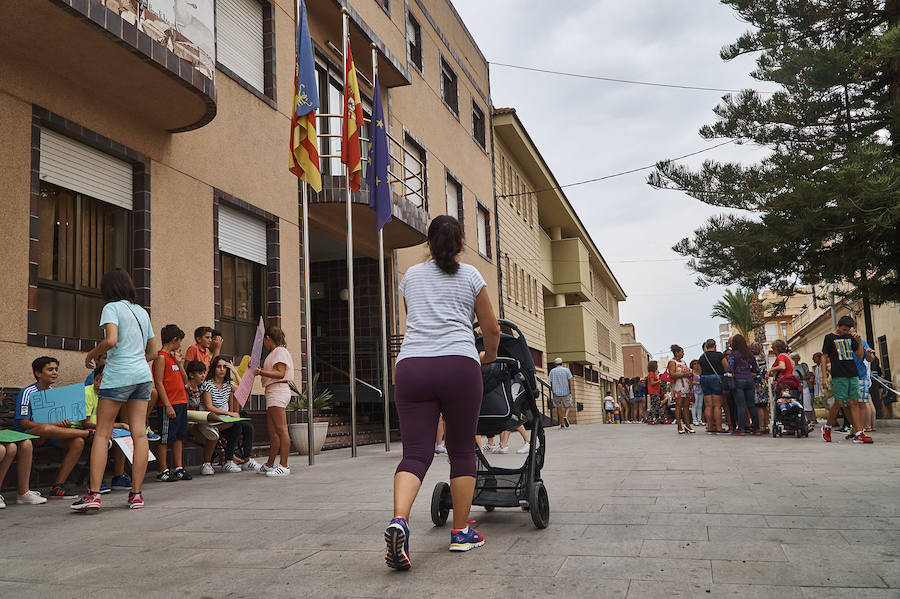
(304, 160)
(353, 122)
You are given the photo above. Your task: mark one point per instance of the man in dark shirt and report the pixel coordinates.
(838, 352)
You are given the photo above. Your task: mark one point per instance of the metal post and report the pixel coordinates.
(350, 301)
(833, 311)
(308, 323)
(385, 387)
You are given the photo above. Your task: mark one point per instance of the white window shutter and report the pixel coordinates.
(239, 39)
(242, 235)
(83, 169)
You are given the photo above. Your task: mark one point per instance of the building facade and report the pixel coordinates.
(555, 284)
(635, 356)
(165, 153)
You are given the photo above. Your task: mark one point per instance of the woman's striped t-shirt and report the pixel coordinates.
(219, 396)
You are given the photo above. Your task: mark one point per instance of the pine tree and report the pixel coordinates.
(825, 203)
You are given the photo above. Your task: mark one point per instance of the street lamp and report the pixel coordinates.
(632, 364)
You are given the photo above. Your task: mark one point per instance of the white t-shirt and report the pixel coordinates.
(608, 403)
(440, 311)
(126, 363)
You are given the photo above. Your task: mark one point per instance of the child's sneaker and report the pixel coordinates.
(61, 492)
(182, 474)
(396, 536)
(501, 450)
(165, 476)
(524, 449)
(121, 483)
(135, 501)
(278, 471)
(104, 489)
(2, 502)
(264, 469)
(440, 448)
(252, 465)
(151, 436)
(862, 437)
(230, 466)
(30, 498)
(207, 469)
(89, 502)
(826, 433)
(464, 540)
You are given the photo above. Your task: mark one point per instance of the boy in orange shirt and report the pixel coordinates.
(169, 379)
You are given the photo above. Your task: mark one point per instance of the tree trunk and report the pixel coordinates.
(758, 315)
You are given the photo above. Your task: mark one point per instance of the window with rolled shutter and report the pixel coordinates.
(242, 235)
(239, 39)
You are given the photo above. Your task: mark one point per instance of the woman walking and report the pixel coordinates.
(742, 366)
(438, 372)
(712, 367)
(762, 389)
(681, 377)
(277, 372)
(622, 396)
(129, 345)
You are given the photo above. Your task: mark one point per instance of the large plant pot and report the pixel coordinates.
(300, 436)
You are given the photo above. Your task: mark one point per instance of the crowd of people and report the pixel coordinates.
(130, 376)
(729, 392)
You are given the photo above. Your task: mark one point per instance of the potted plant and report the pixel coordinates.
(299, 432)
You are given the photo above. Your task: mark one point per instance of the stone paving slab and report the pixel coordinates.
(636, 511)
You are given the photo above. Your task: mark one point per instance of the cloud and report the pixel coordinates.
(586, 129)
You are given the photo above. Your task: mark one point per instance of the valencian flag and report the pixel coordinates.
(377, 169)
(304, 161)
(353, 123)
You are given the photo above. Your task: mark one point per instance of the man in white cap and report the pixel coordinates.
(562, 392)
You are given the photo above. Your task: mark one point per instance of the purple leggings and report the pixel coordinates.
(424, 389)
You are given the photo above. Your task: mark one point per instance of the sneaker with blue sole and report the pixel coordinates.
(396, 536)
(464, 540)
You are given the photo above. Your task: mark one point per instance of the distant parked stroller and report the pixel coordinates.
(510, 390)
(788, 416)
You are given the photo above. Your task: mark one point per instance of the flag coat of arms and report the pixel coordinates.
(377, 169)
(304, 145)
(353, 123)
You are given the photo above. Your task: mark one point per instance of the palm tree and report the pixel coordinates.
(737, 307)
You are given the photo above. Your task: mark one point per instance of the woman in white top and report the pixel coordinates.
(276, 374)
(681, 376)
(438, 372)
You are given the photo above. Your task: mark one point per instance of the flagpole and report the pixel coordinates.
(350, 301)
(307, 317)
(385, 387)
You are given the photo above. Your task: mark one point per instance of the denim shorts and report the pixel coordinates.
(711, 384)
(139, 392)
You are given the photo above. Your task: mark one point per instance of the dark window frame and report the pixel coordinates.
(42, 118)
(445, 80)
(479, 207)
(480, 136)
(460, 195)
(423, 155)
(884, 358)
(414, 48)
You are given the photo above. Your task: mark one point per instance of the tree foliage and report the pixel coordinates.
(737, 307)
(824, 205)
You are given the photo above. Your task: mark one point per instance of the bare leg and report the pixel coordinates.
(274, 439)
(504, 439)
(7, 454)
(106, 416)
(832, 414)
(137, 414)
(559, 416)
(441, 427)
(279, 422)
(25, 452)
(406, 487)
(526, 436)
(461, 490)
(209, 447)
(177, 448)
(118, 462)
(162, 458)
(74, 448)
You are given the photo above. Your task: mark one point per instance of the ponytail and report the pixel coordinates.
(445, 240)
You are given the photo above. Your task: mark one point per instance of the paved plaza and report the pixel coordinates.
(636, 511)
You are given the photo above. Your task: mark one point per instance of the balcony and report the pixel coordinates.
(571, 269)
(571, 334)
(83, 50)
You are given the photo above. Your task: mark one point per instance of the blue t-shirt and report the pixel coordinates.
(861, 362)
(89, 380)
(23, 405)
(126, 363)
(559, 381)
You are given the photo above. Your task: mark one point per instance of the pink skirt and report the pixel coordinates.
(278, 395)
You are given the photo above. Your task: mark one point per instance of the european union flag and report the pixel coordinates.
(377, 170)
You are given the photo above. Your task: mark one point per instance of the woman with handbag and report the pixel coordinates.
(743, 368)
(681, 375)
(712, 366)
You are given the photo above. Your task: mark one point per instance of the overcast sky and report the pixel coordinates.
(587, 129)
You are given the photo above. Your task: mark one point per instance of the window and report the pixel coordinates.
(484, 232)
(530, 199)
(455, 199)
(331, 101)
(243, 293)
(79, 238)
(603, 341)
(414, 171)
(518, 192)
(510, 190)
(414, 39)
(516, 281)
(478, 125)
(385, 4)
(449, 90)
(612, 351)
(885, 359)
(239, 40)
(578, 369)
(537, 356)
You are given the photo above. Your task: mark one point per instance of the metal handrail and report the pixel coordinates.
(347, 374)
(546, 392)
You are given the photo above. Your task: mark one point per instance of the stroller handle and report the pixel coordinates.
(503, 323)
(506, 360)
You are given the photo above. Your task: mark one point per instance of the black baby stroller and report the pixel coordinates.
(510, 389)
(792, 420)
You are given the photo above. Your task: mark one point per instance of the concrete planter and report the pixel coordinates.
(300, 436)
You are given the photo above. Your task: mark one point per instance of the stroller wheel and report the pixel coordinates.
(440, 504)
(539, 505)
(489, 508)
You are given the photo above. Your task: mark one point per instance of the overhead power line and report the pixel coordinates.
(616, 80)
(619, 174)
